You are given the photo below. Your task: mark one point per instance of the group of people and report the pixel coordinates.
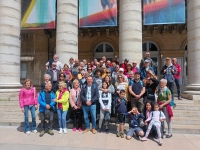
(96, 91)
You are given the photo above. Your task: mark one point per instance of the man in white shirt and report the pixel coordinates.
(59, 65)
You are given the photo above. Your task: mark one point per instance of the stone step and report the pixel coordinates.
(187, 107)
(186, 120)
(9, 103)
(185, 129)
(186, 113)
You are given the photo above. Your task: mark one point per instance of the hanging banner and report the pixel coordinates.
(97, 13)
(38, 14)
(164, 12)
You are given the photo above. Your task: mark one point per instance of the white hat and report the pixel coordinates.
(121, 69)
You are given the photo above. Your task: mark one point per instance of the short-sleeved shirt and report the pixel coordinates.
(136, 86)
(163, 96)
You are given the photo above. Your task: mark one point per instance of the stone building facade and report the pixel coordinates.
(24, 53)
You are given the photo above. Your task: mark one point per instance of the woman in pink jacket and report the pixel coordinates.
(28, 100)
(76, 104)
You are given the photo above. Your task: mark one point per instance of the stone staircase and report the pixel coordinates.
(186, 116)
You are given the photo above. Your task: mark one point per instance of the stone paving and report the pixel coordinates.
(13, 138)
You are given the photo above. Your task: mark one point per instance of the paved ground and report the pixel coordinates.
(13, 138)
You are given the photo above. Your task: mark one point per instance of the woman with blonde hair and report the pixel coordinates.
(151, 83)
(62, 100)
(28, 100)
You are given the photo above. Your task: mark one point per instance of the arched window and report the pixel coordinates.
(104, 49)
(149, 46)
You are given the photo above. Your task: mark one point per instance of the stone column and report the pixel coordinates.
(193, 37)
(67, 30)
(130, 30)
(10, 20)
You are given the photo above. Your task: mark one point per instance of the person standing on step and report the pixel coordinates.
(121, 107)
(62, 100)
(46, 108)
(89, 97)
(76, 105)
(164, 99)
(105, 100)
(55, 59)
(28, 100)
(54, 73)
(168, 71)
(177, 77)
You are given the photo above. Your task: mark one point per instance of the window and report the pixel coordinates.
(149, 46)
(23, 70)
(104, 49)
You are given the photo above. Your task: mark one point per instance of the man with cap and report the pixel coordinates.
(145, 68)
(168, 71)
(124, 65)
(146, 57)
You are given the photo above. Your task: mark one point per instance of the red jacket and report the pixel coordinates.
(178, 69)
(124, 66)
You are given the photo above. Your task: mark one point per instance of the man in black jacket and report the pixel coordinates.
(90, 96)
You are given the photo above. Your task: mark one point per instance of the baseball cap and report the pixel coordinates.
(147, 61)
(121, 69)
(126, 60)
(167, 58)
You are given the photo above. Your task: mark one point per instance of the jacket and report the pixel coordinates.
(42, 101)
(178, 69)
(72, 98)
(94, 94)
(122, 106)
(168, 75)
(28, 97)
(64, 100)
(134, 119)
(143, 72)
(50, 72)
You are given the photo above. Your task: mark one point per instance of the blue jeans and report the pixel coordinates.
(177, 81)
(26, 121)
(92, 110)
(61, 118)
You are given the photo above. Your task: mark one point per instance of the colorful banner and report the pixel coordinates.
(38, 14)
(164, 12)
(97, 13)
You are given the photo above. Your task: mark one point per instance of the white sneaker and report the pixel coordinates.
(28, 132)
(34, 131)
(60, 130)
(65, 130)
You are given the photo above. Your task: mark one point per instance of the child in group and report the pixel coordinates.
(105, 99)
(121, 107)
(134, 126)
(156, 117)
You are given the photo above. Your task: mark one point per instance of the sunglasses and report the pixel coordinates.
(107, 72)
(80, 69)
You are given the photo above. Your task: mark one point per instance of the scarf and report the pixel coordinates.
(162, 90)
(67, 72)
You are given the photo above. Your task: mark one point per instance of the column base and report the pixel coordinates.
(10, 92)
(192, 93)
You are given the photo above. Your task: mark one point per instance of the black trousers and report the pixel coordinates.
(170, 85)
(77, 115)
(44, 116)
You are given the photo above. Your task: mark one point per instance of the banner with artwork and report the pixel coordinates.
(164, 12)
(97, 13)
(38, 14)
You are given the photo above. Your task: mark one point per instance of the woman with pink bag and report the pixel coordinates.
(28, 100)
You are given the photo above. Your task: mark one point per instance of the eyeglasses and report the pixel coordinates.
(80, 69)
(107, 72)
(61, 76)
(119, 77)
